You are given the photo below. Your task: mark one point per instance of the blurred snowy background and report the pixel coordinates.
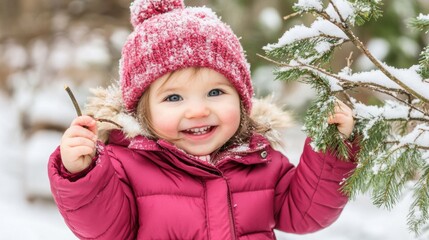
(45, 44)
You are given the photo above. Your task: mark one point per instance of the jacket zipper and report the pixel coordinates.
(205, 204)
(231, 218)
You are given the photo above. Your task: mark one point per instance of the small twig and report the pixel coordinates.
(423, 120)
(406, 145)
(419, 135)
(287, 17)
(349, 60)
(79, 112)
(75, 104)
(271, 60)
(337, 11)
(108, 121)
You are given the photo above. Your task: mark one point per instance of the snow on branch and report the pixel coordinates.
(393, 137)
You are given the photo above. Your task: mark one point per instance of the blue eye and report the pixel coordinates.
(173, 98)
(215, 92)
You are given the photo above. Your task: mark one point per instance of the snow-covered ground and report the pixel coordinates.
(39, 219)
(19, 218)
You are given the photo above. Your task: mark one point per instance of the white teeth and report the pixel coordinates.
(199, 131)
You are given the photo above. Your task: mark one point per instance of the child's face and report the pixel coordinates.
(198, 111)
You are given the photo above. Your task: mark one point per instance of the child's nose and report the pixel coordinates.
(197, 109)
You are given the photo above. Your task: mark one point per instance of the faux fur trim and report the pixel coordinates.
(106, 104)
(266, 113)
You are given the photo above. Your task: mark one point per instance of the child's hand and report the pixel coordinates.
(78, 144)
(343, 118)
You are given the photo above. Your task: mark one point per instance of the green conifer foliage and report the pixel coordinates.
(394, 136)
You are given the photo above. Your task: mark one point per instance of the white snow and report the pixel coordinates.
(419, 136)
(408, 76)
(14, 55)
(309, 4)
(391, 110)
(50, 105)
(19, 218)
(423, 17)
(300, 32)
(38, 147)
(60, 56)
(323, 47)
(345, 9)
(271, 19)
(93, 52)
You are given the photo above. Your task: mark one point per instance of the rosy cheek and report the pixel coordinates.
(165, 125)
(232, 116)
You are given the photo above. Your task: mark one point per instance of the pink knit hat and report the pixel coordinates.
(168, 37)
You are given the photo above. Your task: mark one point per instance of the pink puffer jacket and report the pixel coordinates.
(152, 190)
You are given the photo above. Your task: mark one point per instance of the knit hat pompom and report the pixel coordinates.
(144, 9)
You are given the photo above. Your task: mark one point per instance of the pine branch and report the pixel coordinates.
(421, 22)
(373, 133)
(301, 65)
(400, 166)
(392, 138)
(424, 63)
(347, 84)
(355, 40)
(419, 213)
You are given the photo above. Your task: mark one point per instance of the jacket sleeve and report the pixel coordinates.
(308, 197)
(98, 205)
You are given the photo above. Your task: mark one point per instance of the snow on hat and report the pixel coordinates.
(168, 37)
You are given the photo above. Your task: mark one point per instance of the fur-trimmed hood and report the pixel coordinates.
(106, 105)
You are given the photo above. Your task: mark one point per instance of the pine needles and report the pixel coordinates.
(394, 136)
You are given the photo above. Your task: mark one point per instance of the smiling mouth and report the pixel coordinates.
(199, 131)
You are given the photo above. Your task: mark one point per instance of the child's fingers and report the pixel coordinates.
(342, 113)
(80, 141)
(86, 122)
(73, 153)
(78, 158)
(78, 144)
(79, 131)
(83, 151)
(338, 118)
(343, 118)
(83, 126)
(341, 107)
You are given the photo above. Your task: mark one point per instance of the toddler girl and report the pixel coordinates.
(193, 157)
